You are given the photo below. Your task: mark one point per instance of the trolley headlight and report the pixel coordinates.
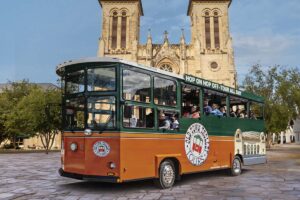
(73, 146)
(88, 132)
(112, 165)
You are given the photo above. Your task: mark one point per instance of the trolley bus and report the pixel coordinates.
(124, 122)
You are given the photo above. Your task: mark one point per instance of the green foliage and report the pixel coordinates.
(281, 89)
(27, 110)
(11, 123)
(41, 109)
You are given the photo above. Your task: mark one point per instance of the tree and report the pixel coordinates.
(281, 89)
(11, 124)
(42, 112)
(3, 135)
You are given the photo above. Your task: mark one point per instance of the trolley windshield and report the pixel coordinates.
(90, 97)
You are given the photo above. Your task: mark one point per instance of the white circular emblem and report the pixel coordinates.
(196, 144)
(101, 149)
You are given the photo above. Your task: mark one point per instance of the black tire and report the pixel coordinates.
(167, 175)
(236, 168)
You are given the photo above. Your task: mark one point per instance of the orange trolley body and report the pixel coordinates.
(138, 155)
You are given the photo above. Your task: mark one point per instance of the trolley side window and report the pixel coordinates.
(190, 101)
(136, 86)
(214, 103)
(168, 120)
(138, 117)
(238, 107)
(165, 92)
(256, 110)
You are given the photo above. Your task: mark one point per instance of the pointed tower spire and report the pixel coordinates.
(149, 33)
(166, 39)
(149, 38)
(182, 39)
(182, 45)
(149, 51)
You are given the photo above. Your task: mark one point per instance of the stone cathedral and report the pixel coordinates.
(209, 54)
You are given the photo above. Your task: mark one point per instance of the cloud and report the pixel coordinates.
(269, 44)
(265, 49)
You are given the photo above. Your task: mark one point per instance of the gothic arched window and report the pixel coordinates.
(166, 67)
(114, 34)
(207, 30)
(123, 30)
(216, 30)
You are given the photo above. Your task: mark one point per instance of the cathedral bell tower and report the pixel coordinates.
(120, 28)
(210, 37)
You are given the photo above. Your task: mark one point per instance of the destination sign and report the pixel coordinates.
(212, 85)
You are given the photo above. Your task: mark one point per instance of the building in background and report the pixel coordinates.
(297, 130)
(209, 55)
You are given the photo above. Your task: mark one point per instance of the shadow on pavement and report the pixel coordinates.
(93, 187)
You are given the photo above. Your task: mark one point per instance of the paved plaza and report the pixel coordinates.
(34, 176)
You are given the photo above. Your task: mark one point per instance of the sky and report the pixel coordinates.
(37, 35)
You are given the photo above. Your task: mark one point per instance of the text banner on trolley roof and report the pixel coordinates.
(212, 85)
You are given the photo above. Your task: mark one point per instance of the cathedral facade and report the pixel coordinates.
(209, 55)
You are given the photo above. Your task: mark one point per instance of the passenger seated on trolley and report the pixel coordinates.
(174, 122)
(216, 111)
(223, 110)
(207, 107)
(194, 113)
(232, 113)
(133, 121)
(186, 112)
(164, 122)
(241, 113)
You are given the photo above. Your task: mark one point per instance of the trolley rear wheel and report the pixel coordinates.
(236, 168)
(167, 175)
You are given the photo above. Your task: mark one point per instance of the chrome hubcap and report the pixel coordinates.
(168, 174)
(236, 166)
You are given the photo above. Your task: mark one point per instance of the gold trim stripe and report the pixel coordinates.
(127, 135)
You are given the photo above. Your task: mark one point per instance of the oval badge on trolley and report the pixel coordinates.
(196, 144)
(101, 149)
